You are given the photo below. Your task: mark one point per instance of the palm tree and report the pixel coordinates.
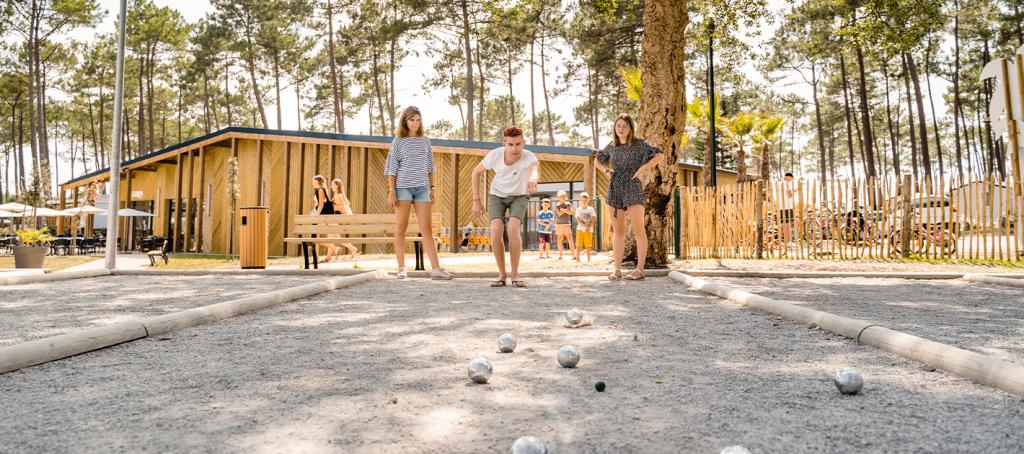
(737, 132)
(766, 131)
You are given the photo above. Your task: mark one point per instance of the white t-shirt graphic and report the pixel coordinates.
(509, 180)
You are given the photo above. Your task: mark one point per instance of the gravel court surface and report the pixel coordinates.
(33, 311)
(979, 317)
(381, 367)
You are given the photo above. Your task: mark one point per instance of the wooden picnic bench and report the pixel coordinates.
(313, 230)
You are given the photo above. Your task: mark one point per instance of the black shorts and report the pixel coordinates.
(786, 216)
(543, 237)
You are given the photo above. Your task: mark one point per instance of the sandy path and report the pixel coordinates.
(380, 367)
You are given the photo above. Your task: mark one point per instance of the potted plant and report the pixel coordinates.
(34, 246)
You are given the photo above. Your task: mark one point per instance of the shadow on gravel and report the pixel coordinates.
(381, 367)
(34, 311)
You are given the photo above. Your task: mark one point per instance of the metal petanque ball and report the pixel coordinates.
(849, 381)
(568, 356)
(506, 343)
(574, 316)
(528, 445)
(734, 450)
(480, 370)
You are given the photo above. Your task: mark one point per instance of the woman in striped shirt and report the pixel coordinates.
(410, 172)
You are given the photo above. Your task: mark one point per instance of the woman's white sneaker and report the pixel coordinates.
(440, 274)
(401, 274)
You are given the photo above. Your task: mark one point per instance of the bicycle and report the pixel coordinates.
(817, 225)
(922, 236)
(856, 228)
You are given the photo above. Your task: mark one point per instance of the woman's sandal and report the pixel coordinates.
(498, 283)
(519, 284)
(636, 275)
(617, 275)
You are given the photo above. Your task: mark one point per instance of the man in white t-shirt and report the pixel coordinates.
(515, 178)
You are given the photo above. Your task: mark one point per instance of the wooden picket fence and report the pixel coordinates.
(854, 219)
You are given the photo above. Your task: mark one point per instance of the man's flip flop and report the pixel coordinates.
(519, 284)
(499, 283)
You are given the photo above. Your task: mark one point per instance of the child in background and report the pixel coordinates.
(545, 228)
(563, 224)
(586, 219)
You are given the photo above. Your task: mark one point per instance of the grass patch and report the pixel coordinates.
(52, 263)
(211, 262)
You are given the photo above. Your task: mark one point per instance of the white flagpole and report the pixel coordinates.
(115, 153)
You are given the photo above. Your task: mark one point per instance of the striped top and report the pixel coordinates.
(410, 159)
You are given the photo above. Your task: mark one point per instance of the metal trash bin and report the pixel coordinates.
(253, 237)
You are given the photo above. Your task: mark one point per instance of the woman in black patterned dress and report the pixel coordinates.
(628, 158)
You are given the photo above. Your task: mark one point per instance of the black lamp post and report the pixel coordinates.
(713, 133)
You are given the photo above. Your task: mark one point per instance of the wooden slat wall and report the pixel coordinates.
(466, 166)
(219, 224)
(365, 184)
(377, 190)
(295, 189)
(274, 177)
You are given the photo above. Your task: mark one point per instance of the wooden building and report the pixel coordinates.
(693, 175)
(186, 185)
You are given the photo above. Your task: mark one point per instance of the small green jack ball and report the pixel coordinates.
(599, 386)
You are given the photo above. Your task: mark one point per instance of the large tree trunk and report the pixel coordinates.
(469, 69)
(926, 160)
(544, 88)
(846, 113)
(662, 115)
(910, 118)
(869, 150)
